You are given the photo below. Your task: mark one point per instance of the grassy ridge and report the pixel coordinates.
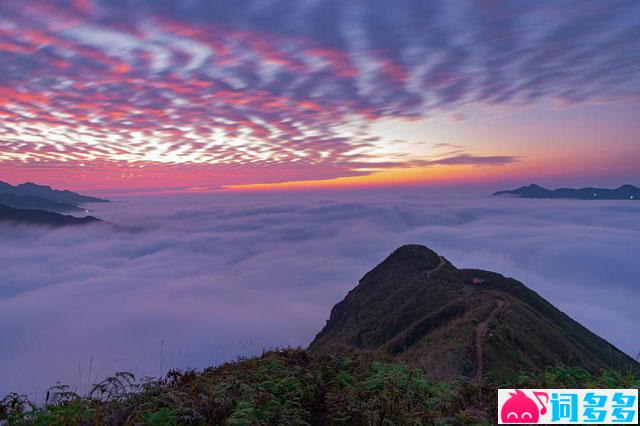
(421, 309)
(290, 387)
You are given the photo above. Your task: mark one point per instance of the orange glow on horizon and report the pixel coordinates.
(395, 177)
(154, 178)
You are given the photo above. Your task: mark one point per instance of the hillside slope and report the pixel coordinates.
(48, 193)
(37, 203)
(41, 218)
(419, 308)
(624, 192)
(290, 387)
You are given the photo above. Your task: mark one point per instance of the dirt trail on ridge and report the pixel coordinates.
(481, 333)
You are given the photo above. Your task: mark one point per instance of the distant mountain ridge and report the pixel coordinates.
(417, 307)
(624, 192)
(32, 202)
(48, 193)
(41, 218)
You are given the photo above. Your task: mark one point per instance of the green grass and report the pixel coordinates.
(290, 387)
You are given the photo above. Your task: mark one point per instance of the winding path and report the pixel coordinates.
(481, 333)
(481, 329)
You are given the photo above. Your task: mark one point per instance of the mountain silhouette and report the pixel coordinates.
(37, 203)
(48, 193)
(41, 217)
(418, 307)
(624, 192)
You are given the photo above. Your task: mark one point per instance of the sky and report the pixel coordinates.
(193, 95)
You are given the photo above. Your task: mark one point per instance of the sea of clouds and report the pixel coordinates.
(210, 277)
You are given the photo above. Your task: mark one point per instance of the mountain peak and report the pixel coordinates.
(418, 307)
(535, 186)
(32, 185)
(415, 255)
(408, 260)
(48, 193)
(627, 187)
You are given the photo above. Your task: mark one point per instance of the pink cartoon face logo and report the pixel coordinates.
(519, 408)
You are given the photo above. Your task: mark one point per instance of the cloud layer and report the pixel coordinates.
(216, 276)
(284, 89)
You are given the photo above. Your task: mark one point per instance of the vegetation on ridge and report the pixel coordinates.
(290, 387)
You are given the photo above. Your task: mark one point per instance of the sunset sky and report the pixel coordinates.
(156, 95)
